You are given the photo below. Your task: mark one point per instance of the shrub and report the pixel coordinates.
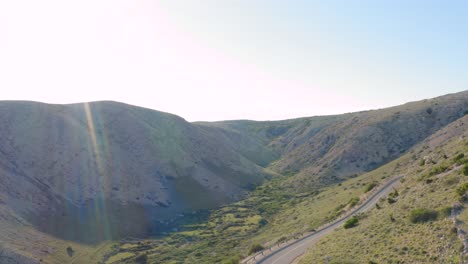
(465, 169)
(255, 248)
(437, 170)
(422, 215)
(394, 194)
(353, 201)
(281, 240)
(461, 190)
(422, 162)
(70, 251)
(390, 200)
(369, 187)
(352, 222)
(262, 222)
(459, 157)
(142, 259)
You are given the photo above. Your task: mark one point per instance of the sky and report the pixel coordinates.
(218, 60)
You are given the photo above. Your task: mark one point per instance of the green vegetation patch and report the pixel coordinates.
(422, 215)
(350, 223)
(459, 158)
(369, 187)
(255, 248)
(465, 169)
(461, 190)
(438, 169)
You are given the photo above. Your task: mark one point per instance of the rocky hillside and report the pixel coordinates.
(323, 150)
(61, 163)
(271, 214)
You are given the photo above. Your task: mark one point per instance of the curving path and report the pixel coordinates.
(289, 253)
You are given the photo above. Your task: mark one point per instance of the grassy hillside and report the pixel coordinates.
(418, 227)
(385, 235)
(269, 215)
(95, 175)
(101, 171)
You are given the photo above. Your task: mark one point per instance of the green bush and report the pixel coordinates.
(394, 194)
(438, 170)
(461, 190)
(142, 259)
(255, 248)
(422, 162)
(459, 158)
(353, 201)
(422, 215)
(352, 222)
(465, 169)
(369, 187)
(281, 240)
(70, 251)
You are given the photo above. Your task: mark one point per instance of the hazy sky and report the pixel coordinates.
(216, 60)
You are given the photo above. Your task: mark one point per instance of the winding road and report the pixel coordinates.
(289, 253)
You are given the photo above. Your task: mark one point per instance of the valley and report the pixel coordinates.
(106, 182)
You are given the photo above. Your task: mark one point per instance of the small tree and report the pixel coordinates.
(352, 222)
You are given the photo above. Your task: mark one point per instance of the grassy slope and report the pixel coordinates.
(230, 231)
(270, 212)
(386, 235)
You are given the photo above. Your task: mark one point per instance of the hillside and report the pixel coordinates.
(323, 150)
(59, 164)
(91, 174)
(384, 235)
(394, 232)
